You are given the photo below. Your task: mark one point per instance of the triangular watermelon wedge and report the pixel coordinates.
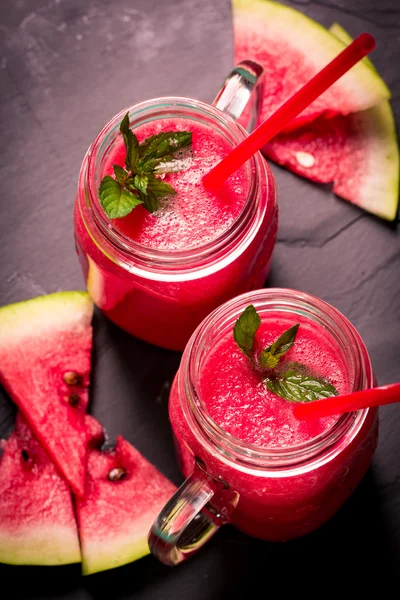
(358, 153)
(37, 522)
(292, 48)
(45, 346)
(124, 494)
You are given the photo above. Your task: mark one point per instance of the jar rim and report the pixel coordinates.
(133, 255)
(253, 455)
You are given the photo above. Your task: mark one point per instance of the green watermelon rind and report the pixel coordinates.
(341, 34)
(44, 313)
(44, 546)
(121, 552)
(361, 83)
(380, 191)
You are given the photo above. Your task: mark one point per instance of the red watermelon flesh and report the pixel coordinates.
(37, 522)
(357, 152)
(124, 494)
(45, 346)
(292, 48)
(94, 432)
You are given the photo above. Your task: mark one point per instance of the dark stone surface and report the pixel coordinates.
(66, 67)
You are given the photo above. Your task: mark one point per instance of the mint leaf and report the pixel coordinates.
(165, 143)
(116, 201)
(130, 185)
(140, 182)
(150, 201)
(269, 357)
(245, 329)
(144, 167)
(297, 387)
(159, 188)
(155, 190)
(131, 143)
(120, 174)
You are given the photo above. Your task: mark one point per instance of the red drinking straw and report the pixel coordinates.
(386, 394)
(351, 55)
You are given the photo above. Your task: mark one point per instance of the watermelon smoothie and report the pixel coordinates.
(194, 216)
(158, 275)
(267, 473)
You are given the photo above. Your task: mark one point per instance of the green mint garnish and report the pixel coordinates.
(295, 384)
(137, 183)
(269, 357)
(297, 387)
(163, 145)
(115, 199)
(131, 144)
(245, 330)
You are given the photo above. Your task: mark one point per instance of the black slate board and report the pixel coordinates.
(66, 67)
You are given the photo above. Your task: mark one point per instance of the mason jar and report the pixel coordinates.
(271, 493)
(162, 296)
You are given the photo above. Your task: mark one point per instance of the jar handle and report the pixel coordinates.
(237, 92)
(191, 517)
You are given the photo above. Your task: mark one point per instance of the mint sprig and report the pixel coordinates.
(296, 384)
(131, 144)
(297, 387)
(270, 356)
(115, 199)
(245, 330)
(164, 144)
(138, 183)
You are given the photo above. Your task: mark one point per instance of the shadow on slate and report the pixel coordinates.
(140, 375)
(8, 412)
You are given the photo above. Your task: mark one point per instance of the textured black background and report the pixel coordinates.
(66, 67)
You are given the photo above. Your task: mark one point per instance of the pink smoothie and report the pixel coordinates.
(194, 216)
(283, 501)
(238, 400)
(164, 304)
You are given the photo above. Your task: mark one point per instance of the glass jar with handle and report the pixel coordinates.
(297, 475)
(157, 292)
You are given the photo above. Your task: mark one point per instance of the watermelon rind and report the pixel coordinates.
(42, 314)
(100, 556)
(42, 546)
(341, 34)
(379, 193)
(357, 90)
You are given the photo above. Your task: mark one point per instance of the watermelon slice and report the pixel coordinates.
(124, 494)
(94, 432)
(37, 522)
(45, 346)
(292, 48)
(358, 153)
